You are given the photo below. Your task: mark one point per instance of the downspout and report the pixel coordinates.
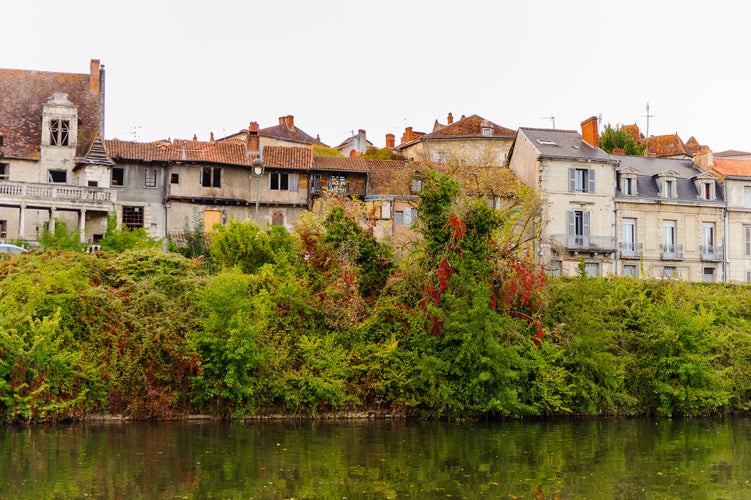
(725, 260)
(165, 196)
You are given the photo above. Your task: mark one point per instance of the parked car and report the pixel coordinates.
(8, 248)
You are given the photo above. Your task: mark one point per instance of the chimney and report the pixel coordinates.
(407, 134)
(253, 140)
(450, 119)
(619, 151)
(389, 141)
(211, 136)
(290, 120)
(281, 120)
(704, 159)
(590, 134)
(94, 77)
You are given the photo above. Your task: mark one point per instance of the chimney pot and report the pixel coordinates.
(290, 119)
(390, 139)
(590, 134)
(450, 119)
(211, 136)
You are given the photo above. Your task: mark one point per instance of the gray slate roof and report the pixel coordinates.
(649, 168)
(563, 144)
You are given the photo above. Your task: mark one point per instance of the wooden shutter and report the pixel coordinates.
(591, 175)
(572, 179)
(294, 182)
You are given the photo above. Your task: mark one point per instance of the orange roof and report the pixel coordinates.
(666, 145)
(633, 131)
(288, 157)
(735, 168)
(355, 164)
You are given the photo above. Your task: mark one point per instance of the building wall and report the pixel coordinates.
(479, 151)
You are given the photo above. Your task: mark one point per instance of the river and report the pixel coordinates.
(561, 458)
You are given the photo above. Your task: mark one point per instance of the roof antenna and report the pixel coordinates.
(648, 116)
(551, 118)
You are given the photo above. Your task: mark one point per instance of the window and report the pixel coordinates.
(277, 219)
(59, 132)
(285, 182)
(416, 185)
(668, 227)
(118, 176)
(628, 245)
(748, 276)
(629, 270)
(578, 229)
(708, 275)
(57, 176)
(174, 178)
(581, 180)
(707, 237)
(592, 269)
(149, 178)
(133, 217)
(668, 272)
(629, 186)
(3, 229)
(668, 188)
(399, 217)
(439, 157)
(211, 177)
(92, 183)
(747, 196)
(747, 234)
(487, 131)
(4, 171)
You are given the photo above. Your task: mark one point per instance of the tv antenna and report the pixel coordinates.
(134, 132)
(551, 118)
(648, 116)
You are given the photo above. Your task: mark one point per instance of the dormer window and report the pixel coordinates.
(628, 184)
(706, 189)
(486, 131)
(59, 132)
(668, 185)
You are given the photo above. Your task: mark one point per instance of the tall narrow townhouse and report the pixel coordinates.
(734, 175)
(577, 182)
(670, 217)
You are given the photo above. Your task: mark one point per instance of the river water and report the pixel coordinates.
(569, 458)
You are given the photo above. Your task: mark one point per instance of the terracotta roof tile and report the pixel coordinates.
(693, 146)
(471, 126)
(288, 157)
(737, 168)
(666, 145)
(355, 164)
(731, 152)
(23, 95)
(229, 153)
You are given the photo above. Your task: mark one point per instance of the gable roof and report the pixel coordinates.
(666, 145)
(23, 94)
(287, 131)
(355, 164)
(97, 154)
(564, 144)
(693, 146)
(288, 157)
(731, 168)
(470, 126)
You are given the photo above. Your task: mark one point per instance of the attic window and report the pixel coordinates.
(59, 132)
(487, 131)
(546, 142)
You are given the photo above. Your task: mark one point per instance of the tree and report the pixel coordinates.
(617, 138)
(380, 154)
(326, 152)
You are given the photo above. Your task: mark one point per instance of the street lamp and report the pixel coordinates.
(257, 173)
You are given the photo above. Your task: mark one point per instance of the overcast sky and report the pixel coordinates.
(174, 69)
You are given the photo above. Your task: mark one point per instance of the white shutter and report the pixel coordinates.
(591, 187)
(572, 179)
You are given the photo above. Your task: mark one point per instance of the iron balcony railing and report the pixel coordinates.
(66, 192)
(630, 249)
(711, 253)
(672, 251)
(590, 243)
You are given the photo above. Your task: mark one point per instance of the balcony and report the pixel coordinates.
(711, 253)
(585, 243)
(319, 186)
(55, 192)
(671, 251)
(630, 250)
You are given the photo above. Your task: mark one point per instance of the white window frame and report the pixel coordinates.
(581, 180)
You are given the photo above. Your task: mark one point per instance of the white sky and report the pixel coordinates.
(178, 68)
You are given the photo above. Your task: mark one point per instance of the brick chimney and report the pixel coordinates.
(590, 134)
(450, 119)
(389, 141)
(94, 77)
(619, 151)
(281, 120)
(407, 134)
(290, 120)
(211, 136)
(253, 140)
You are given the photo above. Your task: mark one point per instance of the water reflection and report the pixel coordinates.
(380, 459)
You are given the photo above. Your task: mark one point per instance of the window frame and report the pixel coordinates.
(59, 132)
(211, 177)
(56, 172)
(149, 181)
(133, 216)
(581, 180)
(4, 171)
(113, 177)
